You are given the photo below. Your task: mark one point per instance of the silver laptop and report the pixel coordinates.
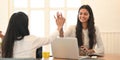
(65, 48)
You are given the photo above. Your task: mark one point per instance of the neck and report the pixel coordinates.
(84, 25)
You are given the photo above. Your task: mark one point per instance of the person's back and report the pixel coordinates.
(24, 48)
(17, 42)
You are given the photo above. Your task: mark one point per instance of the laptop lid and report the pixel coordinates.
(65, 48)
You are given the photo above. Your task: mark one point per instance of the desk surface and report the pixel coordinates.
(106, 57)
(111, 57)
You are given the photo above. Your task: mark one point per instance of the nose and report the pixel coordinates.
(82, 15)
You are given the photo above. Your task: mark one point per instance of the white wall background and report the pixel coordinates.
(3, 15)
(106, 12)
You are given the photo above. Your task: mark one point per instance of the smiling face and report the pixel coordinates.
(83, 15)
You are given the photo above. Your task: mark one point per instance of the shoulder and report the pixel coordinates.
(96, 28)
(30, 37)
(72, 27)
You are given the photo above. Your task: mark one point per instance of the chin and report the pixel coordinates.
(83, 21)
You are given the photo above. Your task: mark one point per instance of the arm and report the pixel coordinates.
(40, 41)
(61, 33)
(100, 48)
(69, 32)
(1, 35)
(60, 20)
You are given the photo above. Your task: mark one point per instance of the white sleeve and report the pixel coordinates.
(70, 32)
(38, 42)
(99, 49)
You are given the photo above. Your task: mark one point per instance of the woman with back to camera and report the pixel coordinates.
(17, 42)
(85, 31)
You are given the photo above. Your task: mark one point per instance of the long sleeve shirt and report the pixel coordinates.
(99, 48)
(26, 48)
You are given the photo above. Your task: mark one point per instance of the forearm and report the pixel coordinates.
(61, 33)
(1, 35)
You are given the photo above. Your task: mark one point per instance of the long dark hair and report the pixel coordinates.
(16, 30)
(90, 25)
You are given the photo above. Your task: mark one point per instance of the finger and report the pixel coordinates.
(55, 18)
(82, 47)
(64, 19)
(58, 14)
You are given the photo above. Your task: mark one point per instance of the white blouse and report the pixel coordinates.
(26, 48)
(99, 48)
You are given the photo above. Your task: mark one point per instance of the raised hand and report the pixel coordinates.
(60, 20)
